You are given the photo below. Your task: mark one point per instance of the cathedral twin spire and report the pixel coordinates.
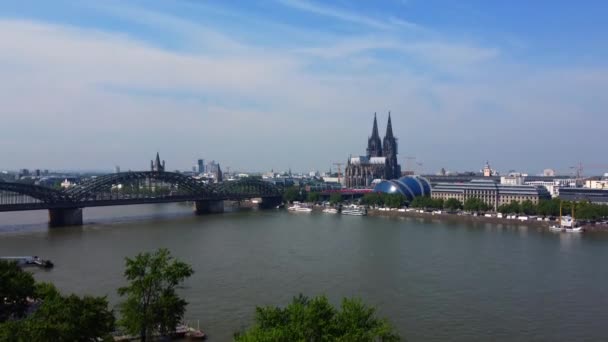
(375, 148)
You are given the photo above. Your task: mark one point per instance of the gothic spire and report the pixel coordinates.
(157, 160)
(389, 127)
(375, 129)
(374, 144)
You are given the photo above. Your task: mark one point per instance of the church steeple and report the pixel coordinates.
(374, 145)
(156, 165)
(389, 128)
(157, 160)
(375, 129)
(389, 147)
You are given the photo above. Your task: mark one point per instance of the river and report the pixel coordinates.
(434, 280)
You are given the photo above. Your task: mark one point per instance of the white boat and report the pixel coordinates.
(330, 210)
(297, 207)
(354, 210)
(566, 224)
(558, 228)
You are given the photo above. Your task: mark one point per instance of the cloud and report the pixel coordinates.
(348, 16)
(250, 105)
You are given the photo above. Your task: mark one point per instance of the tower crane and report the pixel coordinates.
(339, 165)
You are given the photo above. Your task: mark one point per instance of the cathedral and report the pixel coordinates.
(379, 163)
(156, 165)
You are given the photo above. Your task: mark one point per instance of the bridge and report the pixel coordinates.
(65, 206)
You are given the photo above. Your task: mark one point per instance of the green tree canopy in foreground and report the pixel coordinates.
(15, 288)
(53, 317)
(315, 319)
(152, 304)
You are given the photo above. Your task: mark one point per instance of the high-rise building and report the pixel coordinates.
(117, 169)
(201, 166)
(211, 167)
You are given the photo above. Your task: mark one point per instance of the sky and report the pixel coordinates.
(279, 84)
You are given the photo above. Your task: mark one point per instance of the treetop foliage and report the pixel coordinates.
(315, 319)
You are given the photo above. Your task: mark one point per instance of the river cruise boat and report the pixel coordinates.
(298, 207)
(330, 210)
(567, 224)
(354, 210)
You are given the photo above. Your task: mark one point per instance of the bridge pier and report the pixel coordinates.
(209, 207)
(65, 217)
(270, 202)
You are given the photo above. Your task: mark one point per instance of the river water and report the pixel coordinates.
(435, 281)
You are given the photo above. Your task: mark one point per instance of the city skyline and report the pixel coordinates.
(294, 84)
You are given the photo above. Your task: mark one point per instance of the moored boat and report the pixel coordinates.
(330, 210)
(566, 224)
(24, 261)
(354, 210)
(298, 207)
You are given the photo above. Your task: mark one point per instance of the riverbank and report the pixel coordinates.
(532, 223)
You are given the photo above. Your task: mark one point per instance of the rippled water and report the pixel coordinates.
(435, 281)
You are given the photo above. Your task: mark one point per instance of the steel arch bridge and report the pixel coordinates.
(131, 188)
(19, 196)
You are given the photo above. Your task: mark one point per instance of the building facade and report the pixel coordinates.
(597, 196)
(380, 162)
(490, 192)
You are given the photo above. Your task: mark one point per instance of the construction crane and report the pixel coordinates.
(408, 162)
(339, 165)
(420, 165)
(578, 169)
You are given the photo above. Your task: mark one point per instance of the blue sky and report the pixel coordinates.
(294, 83)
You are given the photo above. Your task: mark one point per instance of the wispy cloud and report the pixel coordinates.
(229, 96)
(348, 16)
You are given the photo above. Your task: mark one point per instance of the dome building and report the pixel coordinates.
(408, 186)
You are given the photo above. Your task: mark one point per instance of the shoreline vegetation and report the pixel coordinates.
(592, 217)
(474, 219)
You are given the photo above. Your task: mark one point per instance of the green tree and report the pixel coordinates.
(420, 202)
(152, 304)
(313, 197)
(528, 208)
(373, 198)
(475, 204)
(62, 318)
(452, 204)
(317, 320)
(16, 286)
(395, 200)
(292, 194)
(335, 198)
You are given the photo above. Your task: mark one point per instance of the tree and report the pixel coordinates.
(152, 304)
(16, 286)
(335, 198)
(475, 204)
(452, 204)
(313, 197)
(317, 320)
(395, 200)
(62, 318)
(292, 194)
(527, 207)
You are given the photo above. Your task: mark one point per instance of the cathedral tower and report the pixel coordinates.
(374, 146)
(393, 169)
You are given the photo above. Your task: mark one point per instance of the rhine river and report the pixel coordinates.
(435, 281)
